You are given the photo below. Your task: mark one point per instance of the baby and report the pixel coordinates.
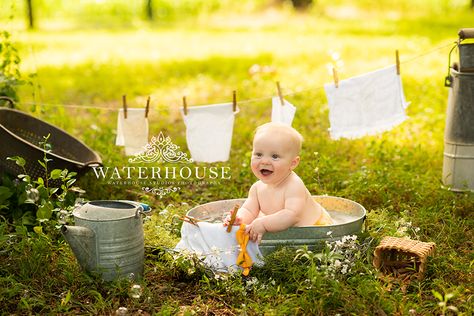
(279, 199)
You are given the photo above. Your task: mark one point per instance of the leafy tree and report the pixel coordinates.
(10, 76)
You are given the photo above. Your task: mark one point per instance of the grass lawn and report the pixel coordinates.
(83, 69)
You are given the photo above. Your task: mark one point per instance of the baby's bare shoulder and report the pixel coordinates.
(296, 181)
(295, 185)
(256, 185)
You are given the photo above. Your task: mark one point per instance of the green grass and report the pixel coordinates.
(395, 175)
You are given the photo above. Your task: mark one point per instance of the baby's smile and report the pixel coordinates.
(266, 172)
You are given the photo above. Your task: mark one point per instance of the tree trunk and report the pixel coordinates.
(302, 4)
(149, 9)
(31, 21)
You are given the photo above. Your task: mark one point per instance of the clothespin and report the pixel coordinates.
(232, 217)
(280, 95)
(185, 106)
(336, 78)
(397, 60)
(124, 101)
(147, 109)
(234, 100)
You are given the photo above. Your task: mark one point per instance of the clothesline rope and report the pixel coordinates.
(240, 102)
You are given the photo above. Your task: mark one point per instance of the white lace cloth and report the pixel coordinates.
(218, 248)
(366, 104)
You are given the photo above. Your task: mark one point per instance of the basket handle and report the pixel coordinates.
(10, 101)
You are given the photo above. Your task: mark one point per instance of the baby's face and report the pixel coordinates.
(273, 157)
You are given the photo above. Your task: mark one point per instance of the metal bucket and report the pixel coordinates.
(348, 215)
(108, 238)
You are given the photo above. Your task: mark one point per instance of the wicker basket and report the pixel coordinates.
(21, 134)
(402, 257)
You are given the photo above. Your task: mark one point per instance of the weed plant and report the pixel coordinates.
(396, 175)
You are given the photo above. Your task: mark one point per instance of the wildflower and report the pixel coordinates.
(329, 233)
(221, 276)
(136, 291)
(215, 251)
(121, 311)
(32, 194)
(344, 269)
(252, 281)
(232, 269)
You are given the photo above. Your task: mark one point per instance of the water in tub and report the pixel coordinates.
(337, 216)
(342, 217)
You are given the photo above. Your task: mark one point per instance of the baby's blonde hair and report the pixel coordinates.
(295, 137)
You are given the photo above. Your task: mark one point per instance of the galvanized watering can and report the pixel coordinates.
(108, 238)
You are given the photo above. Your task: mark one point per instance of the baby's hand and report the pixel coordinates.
(228, 216)
(256, 230)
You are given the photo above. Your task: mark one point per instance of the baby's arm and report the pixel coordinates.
(248, 211)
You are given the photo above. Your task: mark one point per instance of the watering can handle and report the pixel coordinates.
(466, 33)
(142, 209)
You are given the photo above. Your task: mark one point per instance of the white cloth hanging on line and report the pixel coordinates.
(218, 248)
(132, 132)
(282, 113)
(209, 131)
(366, 104)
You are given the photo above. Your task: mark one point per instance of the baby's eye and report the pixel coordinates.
(258, 155)
(275, 156)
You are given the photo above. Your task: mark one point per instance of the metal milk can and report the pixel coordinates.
(458, 162)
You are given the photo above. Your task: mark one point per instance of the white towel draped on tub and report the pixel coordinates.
(282, 113)
(209, 131)
(132, 132)
(366, 104)
(218, 248)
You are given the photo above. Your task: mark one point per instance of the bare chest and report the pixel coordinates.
(270, 200)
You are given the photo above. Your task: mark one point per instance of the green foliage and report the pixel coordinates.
(10, 77)
(41, 203)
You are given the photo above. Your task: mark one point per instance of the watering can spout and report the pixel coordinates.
(83, 244)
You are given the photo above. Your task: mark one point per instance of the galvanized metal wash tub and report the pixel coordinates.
(108, 238)
(349, 217)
